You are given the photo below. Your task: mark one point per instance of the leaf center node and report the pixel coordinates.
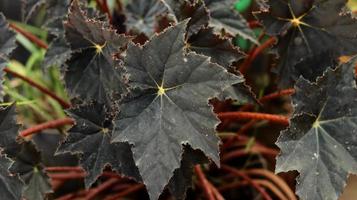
(99, 48)
(161, 90)
(105, 130)
(295, 22)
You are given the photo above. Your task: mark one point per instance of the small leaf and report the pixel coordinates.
(168, 106)
(321, 142)
(225, 17)
(28, 165)
(90, 138)
(141, 16)
(10, 186)
(303, 27)
(92, 72)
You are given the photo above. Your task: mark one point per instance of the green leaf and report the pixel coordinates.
(90, 139)
(306, 29)
(93, 72)
(225, 17)
(10, 186)
(321, 142)
(168, 106)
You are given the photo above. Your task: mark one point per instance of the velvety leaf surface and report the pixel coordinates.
(92, 72)
(10, 185)
(28, 165)
(304, 27)
(182, 179)
(221, 50)
(168, 106)
(57, 53)
(90, 138)
(195, 10)
(47, 143)
(141, 15)
(9, 131)
(7, 41)
(321, 142)
(224, 17)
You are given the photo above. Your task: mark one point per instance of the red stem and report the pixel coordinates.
(254, 24)
(64, 168)
(254, 54)
(46, 91)
(47, 125)
(67, 176)
(126, 192)
(277, 95)
(248, 179)
(94, 192)
(205, 184)
(103, 5)
(29, 36)
(251, 115)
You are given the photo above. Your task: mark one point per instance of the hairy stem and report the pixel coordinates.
(46, 91)
(29, 36)
(252, 115)
(205, 184)
(254, 54)
(47, 125)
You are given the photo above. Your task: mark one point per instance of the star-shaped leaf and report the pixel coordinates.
(141, 16)
(195, 10)
(221, 50)
(28, 165)
(303, 27)
(224, 17)
(92, 73)
(168, 105)
(10, 186)
(321, 142)
(9, 130)
(90, 138)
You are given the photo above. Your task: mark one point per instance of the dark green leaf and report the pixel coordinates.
(220, 49)
(90, 138)
(92, 72)
(47, 144)
(195, 10)
(168, 105)
(306, 29)
(28, 165)
(182, 179)
(141, 16)
(321, 142)
(224, 17)
(9, 130)
(10, 186)
(7, 41)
